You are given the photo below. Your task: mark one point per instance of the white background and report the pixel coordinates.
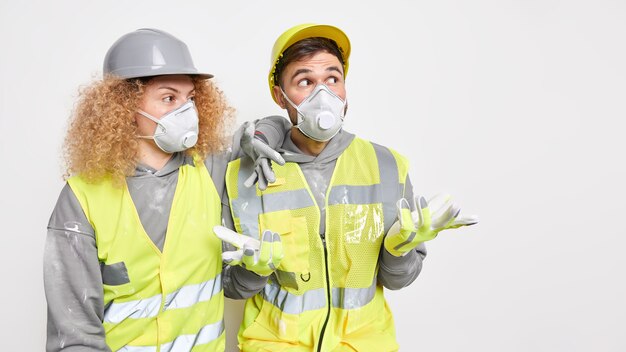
(514, 107)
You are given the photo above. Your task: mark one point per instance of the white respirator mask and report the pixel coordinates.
(177, 130)
(320, 115)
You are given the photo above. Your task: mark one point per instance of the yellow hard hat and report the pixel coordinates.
(303, 31)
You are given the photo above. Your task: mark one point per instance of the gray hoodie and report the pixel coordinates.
(73, 275)
(394, 272)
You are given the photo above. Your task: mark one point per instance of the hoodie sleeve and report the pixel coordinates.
(72, 280)
(238, 283)
(272, 130)
(395, 273)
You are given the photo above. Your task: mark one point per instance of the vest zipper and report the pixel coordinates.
(329, 303)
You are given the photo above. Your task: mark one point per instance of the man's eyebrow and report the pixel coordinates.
(299, 71)
(306, 70)
(334, 68)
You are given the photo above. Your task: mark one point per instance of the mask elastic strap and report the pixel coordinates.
(300, 119)
(151, 118)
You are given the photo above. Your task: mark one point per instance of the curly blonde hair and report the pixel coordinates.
(101, 138)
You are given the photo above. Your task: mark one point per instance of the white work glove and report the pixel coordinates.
(424, 223)
(258, 150)
(261, 257)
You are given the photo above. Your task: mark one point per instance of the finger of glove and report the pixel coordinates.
(262, 182)
(251, 180)
(247, 139)
(268, 173)
(230, 236)
(265, 253)
(232, 257)
(401, 204)
(249, 257)
(464, 221)
(438, 199)
(248, 129)
(423, 212)
(266, 151)
(407, 226)
(445, 219)
(439, 205)
(393, 231)
(277, 249)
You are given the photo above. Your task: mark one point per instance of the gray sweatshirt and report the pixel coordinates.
(394, 272)
(73, 276)
(72, 273)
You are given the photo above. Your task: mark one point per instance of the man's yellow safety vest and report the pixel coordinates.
(172, 300)
(324, 295)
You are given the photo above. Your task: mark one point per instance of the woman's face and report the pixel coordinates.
(162, 94)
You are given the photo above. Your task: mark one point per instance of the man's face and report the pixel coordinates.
(299, 78)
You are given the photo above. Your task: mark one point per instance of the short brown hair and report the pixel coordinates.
(305, 49)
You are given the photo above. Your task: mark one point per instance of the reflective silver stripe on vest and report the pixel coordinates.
(344, 298)
(137, 349)
(344, 194)
(295, 199)
(184, 297)
(391, 188)
(352, 298)
(248, 205)
(294, 304)
(184, 343)
(189, 295)
(143, 308)
(387, 192)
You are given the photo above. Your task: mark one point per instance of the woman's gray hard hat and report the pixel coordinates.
(149, 52)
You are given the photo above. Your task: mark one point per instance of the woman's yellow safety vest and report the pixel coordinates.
(171, 300)
(324, 295)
